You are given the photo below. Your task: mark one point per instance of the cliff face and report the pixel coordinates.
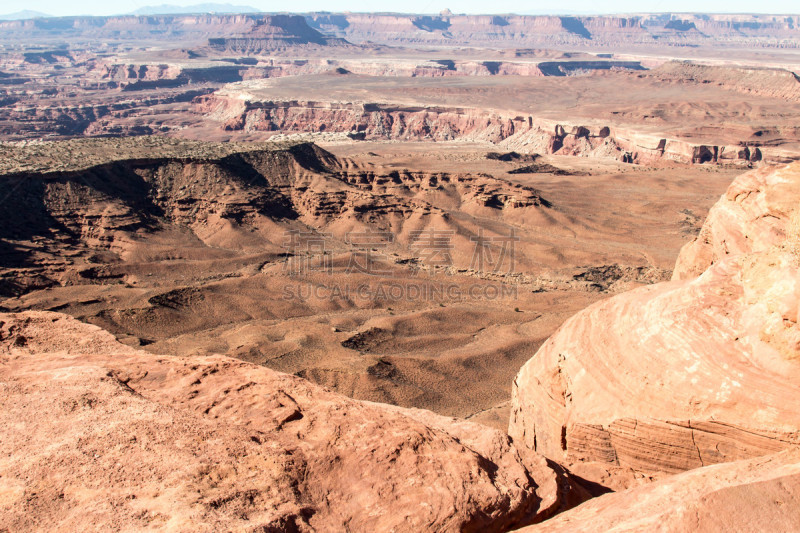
(275, 29)
(237, 111)
(75, 207)
(512, 31)
(683, 374)
(139, 441)
(223, 195)
(132, 77)
(96, 202)
(518, 30)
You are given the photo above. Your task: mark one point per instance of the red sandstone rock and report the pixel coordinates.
(753, 215)
(98, 435)
(240, 108)
(684, 374)
(760, 494)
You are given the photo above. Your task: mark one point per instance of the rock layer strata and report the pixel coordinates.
(759, 494)
(682, 374)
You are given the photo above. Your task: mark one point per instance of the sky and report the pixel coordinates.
(106, 7)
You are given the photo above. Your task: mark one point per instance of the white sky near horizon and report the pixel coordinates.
(104, 7)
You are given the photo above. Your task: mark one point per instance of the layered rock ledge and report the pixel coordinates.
(687, 373)
(761, 494)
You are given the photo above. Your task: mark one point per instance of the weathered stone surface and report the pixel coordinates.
(753, 215)
(98, 435)
(683, 374)
(761, 494)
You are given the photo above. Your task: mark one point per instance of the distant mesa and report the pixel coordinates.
(680, 25)
(227, 30)
(535, 30)
(170, 9)
(517, 31)
(274, 31)
(25, 14)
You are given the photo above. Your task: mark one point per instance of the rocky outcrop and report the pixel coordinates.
(227, 195)
(99, 435)
(754, 214)
(238, 110)
(684, 374)
(751, 495)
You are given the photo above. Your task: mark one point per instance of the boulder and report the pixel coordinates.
(683, 374)
(100, 436)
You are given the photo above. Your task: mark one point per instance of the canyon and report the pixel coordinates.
(687, 435)
(239, 77)
(175, 245)
(400, 272)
